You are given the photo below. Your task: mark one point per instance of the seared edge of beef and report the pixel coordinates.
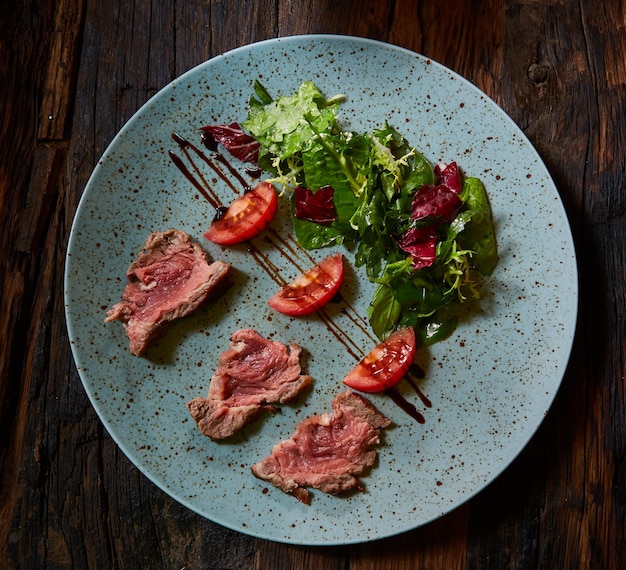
(218, 421)
(328, 451)
(171, 278)
(252, 374)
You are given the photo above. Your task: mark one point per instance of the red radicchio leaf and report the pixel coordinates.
(437, 202)
(448, 175)
(421, 245)
(235, 140)
(315, 207)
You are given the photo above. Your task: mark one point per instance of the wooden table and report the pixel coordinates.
(74, 71)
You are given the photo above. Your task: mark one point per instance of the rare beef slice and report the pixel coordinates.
(252, 375)
(327, 451)
(170, 279)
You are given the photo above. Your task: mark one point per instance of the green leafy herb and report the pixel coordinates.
(375, 177)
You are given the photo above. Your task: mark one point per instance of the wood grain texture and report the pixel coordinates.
(70, 499)
(59, 84)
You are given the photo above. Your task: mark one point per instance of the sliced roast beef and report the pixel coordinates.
(328, 451)
(252, 375)
(170, 279)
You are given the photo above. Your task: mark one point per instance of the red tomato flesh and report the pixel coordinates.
(386, 364)
(246, 217)
(311, 290)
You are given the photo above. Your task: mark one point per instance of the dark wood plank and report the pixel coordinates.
(59, 86)
(367, 18)
(466, 37)
(405, 29)
(441, 544)
(193, 41)
(22, 35)
(40, 197)
(256, 21)
(287, 557)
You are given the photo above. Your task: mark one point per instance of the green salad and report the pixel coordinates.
(424, 234)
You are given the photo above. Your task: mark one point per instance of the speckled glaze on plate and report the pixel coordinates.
(490, 384)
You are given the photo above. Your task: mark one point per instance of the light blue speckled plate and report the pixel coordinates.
(490, 385)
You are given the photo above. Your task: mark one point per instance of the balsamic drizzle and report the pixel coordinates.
(187, 145)
(289, 249)
(211, 199)
(406, 406)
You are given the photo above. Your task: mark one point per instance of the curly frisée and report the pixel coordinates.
(423, 233)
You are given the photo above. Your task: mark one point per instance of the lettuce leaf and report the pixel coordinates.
(285, 126)
(479, 234)
(375, 178)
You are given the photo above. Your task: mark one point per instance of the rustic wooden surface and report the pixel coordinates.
(73, 71)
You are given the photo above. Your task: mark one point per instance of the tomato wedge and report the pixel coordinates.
(386, 364)
(311, 290)
(245, 217)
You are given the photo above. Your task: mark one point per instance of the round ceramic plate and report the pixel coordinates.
(486, 389)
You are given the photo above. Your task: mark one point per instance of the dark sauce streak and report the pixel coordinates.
(242, 181)
(339, 334)
(181, 166)
(418, 391)
(284, 253)
(264, 262)
(209, 141)
(417, 371)
(211, 144)
(405, 405)
(254, 172)
(296, 250)
(185, 145)
(220, 212)
(357, 320)
(297, 246)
